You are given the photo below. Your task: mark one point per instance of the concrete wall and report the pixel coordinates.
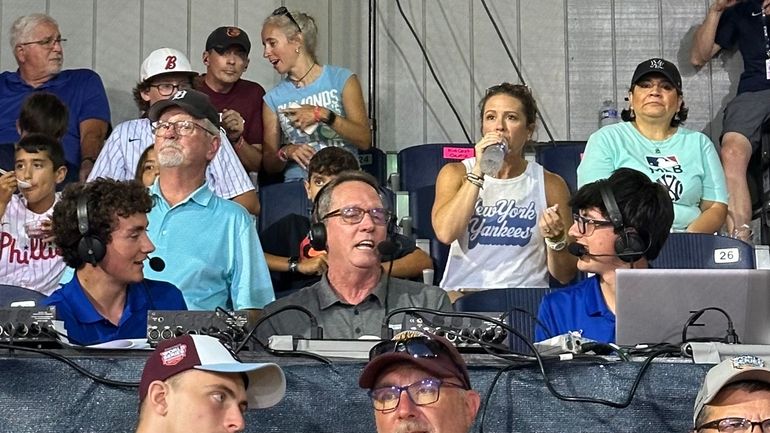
(572, 53)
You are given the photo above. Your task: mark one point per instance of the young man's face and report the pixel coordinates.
(127, 250)
(226, 68)
(37, 169)
(315, 183)
(164, 86)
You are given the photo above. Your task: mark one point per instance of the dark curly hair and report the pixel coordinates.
(107, 200)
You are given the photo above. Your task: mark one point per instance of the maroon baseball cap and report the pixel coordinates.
(266, 382)
(431, 353)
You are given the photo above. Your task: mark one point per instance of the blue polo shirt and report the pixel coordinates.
(86, 326)
(211, 250)
(580, 307)
(82, 92)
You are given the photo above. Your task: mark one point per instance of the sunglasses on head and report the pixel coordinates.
(283, 11)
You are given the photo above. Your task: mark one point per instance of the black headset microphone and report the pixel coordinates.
(579, 250)
(157, 264)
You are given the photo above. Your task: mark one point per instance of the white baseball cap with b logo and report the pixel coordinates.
(164, 61)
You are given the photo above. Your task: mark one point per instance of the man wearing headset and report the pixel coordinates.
(620, 222)
(355, 294)
(101, 229)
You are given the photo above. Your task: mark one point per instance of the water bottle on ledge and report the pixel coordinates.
(492, 159)
(608, 114)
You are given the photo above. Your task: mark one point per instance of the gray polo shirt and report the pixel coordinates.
(341, 320)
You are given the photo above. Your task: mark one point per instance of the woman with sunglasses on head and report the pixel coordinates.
(652, 141)
(313, 106)
(507, 228)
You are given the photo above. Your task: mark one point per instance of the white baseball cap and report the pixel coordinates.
(164, 61)
(727, 372)
(266, 382)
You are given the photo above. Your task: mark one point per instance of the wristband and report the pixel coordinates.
(88, 158)
(559, 244)
(317, 113)
(475, 180)
(332, 117)
(293, 265)
(282, 155)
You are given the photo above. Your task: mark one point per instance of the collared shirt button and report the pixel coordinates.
(356, 312)
(358, 330)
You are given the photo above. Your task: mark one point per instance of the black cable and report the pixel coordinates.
(534, 318)
(515, 66)
(263, 319)
(433, 73)
(74, 365)
(730, 338)
(539, 358)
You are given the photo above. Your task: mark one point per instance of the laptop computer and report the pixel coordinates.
(653, 305)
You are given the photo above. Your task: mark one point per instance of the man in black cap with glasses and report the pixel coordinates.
(419, 382)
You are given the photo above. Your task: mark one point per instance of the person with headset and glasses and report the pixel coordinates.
(101, 229)
(619, 222)
(419, 382)
(355, 294)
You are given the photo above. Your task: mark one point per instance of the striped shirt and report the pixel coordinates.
(120, 155)
(25, 262)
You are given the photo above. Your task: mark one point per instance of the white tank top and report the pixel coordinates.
(502, 246)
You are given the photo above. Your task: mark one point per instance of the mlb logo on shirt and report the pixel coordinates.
(662, 161)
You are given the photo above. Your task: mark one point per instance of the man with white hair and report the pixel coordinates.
(163, 73)
(37, 47)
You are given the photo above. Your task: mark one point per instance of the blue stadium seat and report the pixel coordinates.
(11, 294)
(373, 161)
(418, 167)
(562, 158)
(280, 199)
(704, 251)
(506, 301)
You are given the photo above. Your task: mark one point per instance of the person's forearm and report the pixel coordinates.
(355, 132)
(710, 220)
(703, 41)
(250, 155)
(561, 264)
(411, 265)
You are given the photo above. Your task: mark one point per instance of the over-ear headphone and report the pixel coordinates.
(629, 246)
(317, 233)
(91, 249)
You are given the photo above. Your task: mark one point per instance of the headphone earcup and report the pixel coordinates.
(91, 249)
(317, 236)
(629, 246)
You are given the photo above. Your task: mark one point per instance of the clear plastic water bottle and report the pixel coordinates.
(608, 114)
(492, 159)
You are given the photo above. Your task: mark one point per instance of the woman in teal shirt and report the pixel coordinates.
(652, 141)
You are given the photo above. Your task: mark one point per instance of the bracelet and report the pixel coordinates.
(293, 264)
(317, 113)
(475, 180)
(282, 154)
(332, 117)
(88, 158)
(559, 244)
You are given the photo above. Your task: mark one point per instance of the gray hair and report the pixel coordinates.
(23, 25)
(305, 22)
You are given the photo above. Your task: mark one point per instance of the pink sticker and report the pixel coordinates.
(458, 152)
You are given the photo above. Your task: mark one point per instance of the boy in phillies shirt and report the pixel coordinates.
(28, 258)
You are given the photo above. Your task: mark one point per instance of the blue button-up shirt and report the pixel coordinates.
(580, 307)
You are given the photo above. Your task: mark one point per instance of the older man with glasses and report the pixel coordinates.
(37, 46)
(351, 222)
(210, 244)
(419, 382)
(164, 72)
(734, 398)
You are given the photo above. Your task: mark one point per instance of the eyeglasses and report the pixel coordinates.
(354, 215)
(586, 226)
(182, 127)
(48, 42)
(168, 89)
(424, 392)
(283, 11)
(736, 425)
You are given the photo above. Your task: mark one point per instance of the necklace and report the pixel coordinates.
(297, 82)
